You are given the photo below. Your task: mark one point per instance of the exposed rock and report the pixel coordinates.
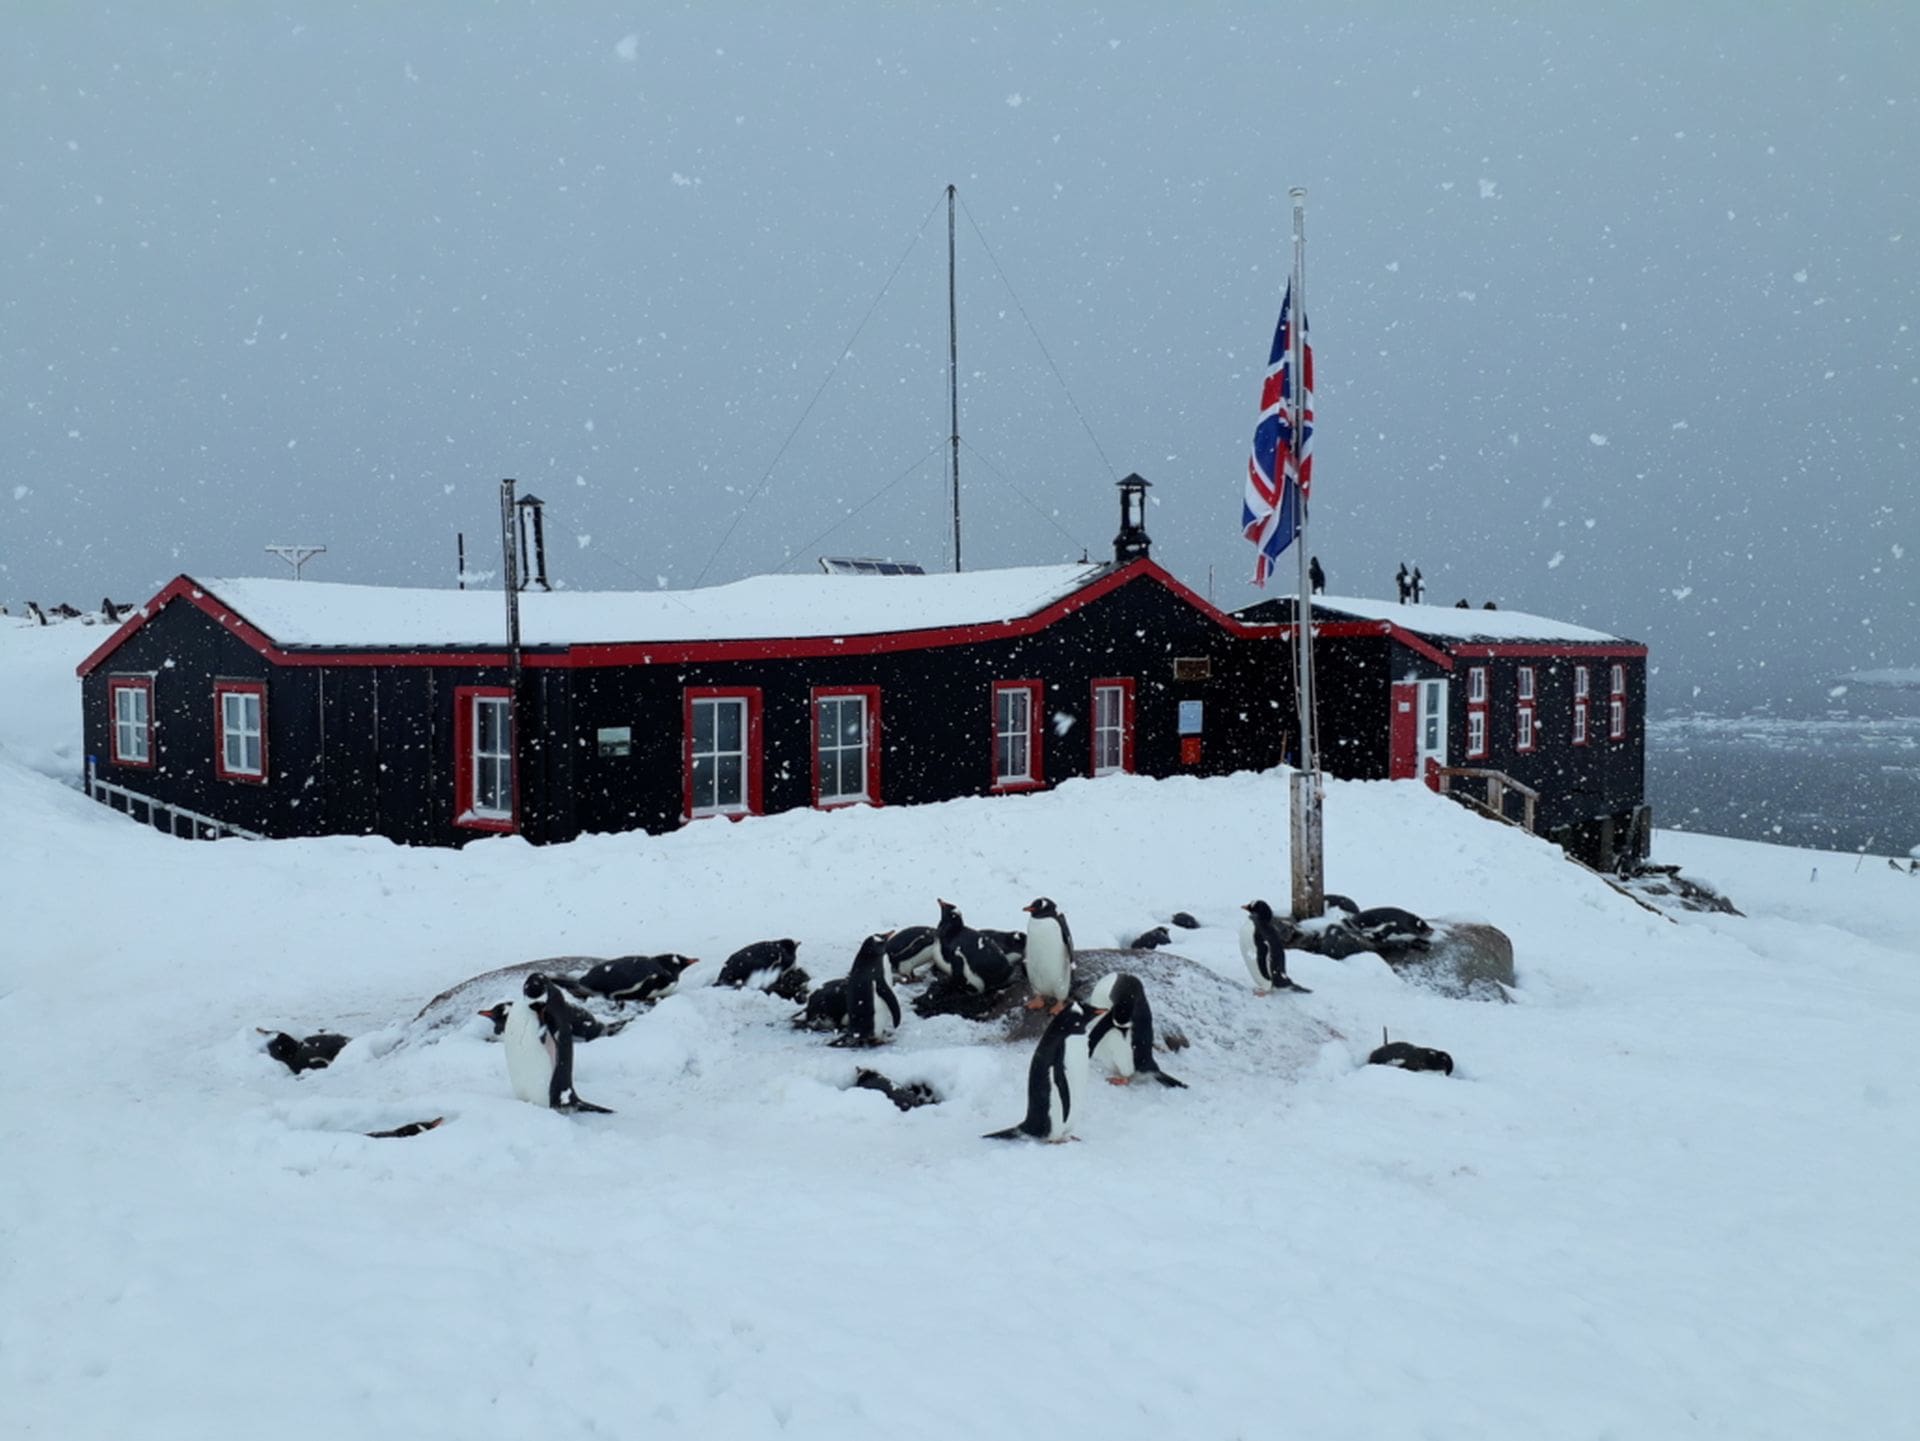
(1665, 886)
(1468, 960)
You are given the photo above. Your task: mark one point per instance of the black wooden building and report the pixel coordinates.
(284, 708)
(1467, 697)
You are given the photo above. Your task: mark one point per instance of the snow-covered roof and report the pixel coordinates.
(766, 607)
(1451, 623)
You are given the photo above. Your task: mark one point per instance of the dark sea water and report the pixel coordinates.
(1837, 782)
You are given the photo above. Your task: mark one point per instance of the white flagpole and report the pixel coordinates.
(1306, 851)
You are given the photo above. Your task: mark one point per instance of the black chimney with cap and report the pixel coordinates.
(1132, 542)
(533, 517)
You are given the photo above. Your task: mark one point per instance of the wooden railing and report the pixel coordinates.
(161, 815)
(1499, 783)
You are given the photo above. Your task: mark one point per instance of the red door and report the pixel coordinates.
(1403, 732)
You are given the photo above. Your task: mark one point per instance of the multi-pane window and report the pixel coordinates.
(132, 721)
(1013, 737)
(242, 744)
(1476, 732)
(492, 797)
(719, 755)
(1523, 710)
(841, 740)
(1617, 705)
(1582, 689)
(1523, 737)
(1477, 685)
(1526, 682)
(1109, 729)
(1582, 683)
(1580, 723)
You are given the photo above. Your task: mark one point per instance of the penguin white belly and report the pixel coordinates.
(883, 1012)
(1250, 953)
(1049, 967)
(529, 1061)
(1073, 1061)
(1115, 1052)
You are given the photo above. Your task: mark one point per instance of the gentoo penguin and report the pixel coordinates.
(1185, 921)
(826, 1007)
(759, 963)
(1389, 926)
(1122, 1038)
(913, 949)
(586, 1025)
(539, 1040)
(412, 1128)
(635, 978)
(1337, 902)
(1056, 1078)
(1409, 1057)
(978, 962)
(315, 1053)
(1151, 940)
(1263, 945)
(1049, 955)
(873, 1010)
(1013, 943)
(906, 1097)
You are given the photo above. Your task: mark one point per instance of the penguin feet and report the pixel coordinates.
(1057, 1008)
(1034, 1003)
(1119, 1080)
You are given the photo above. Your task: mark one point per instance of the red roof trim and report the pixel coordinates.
(1352, 629)
(669, 652)
(1571, 649)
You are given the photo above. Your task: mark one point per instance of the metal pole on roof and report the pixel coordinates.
(1306, 850)
(953, 376)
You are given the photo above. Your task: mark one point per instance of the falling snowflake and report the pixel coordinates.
(1558, 556)
(628, 48)
(1597, 438)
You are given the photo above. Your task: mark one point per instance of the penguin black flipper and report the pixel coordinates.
(1164, 1079)
(892, 1001)
(1288, 983)
(557, 1017)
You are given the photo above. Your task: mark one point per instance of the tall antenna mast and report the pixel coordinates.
(953, 378)
(296, 556)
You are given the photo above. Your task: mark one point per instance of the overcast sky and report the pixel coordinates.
(1613, 312)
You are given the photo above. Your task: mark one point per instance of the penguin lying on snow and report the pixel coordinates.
(1049, 957)
(1263, 946)
(826, 1008)
(412, 1128)
(1056, 1078)
(1389, 927)
(758, 964)
(1121, 1038)
(634, 978)
(873, 1008)
(912, 1094)
(315, 1053)
(539, 1041)
(1184, 921)
(1150, 940)
(914, 949)
(1409, 1057)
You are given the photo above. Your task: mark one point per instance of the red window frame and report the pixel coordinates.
(463, 758)
(1476, 713)
(869, 693)
(222, 689)
(752, 741)
(1036, 749)
(1123, 684)
(116, 684)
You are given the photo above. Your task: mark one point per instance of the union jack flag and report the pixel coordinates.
(1275, 508)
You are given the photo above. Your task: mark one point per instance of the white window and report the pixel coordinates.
(1526, 682)
(132, 721)
(1477, 685)
(242, 747)
(1524, 739)
(492, 797)
(1580, 724)
(1012, 734)
(1476, 732)
(1620, 680)
(719, 756)
(1109, 729)
(1581, 685)
(1616, 719)
(841, 730)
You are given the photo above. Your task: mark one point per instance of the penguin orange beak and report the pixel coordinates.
(1027, 909)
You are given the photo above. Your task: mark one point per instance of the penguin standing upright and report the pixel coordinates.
(1049, 956)
(873, 1008)
(1122, 1038)
(539, 1044)
(1056, 1078)
(1263, 946)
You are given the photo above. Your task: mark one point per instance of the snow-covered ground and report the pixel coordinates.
(1669, 1192)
